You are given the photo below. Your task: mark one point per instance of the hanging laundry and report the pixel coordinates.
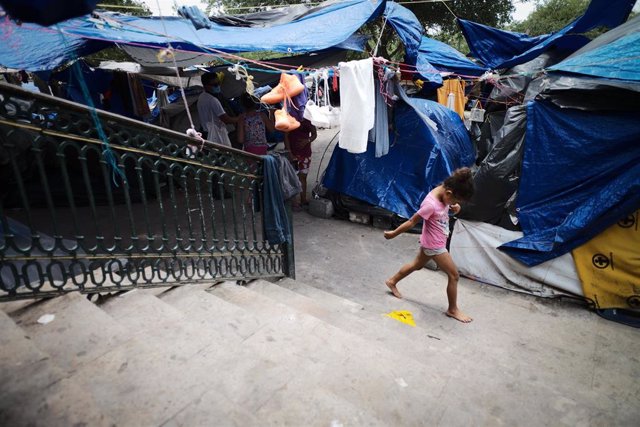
(451, 95)
(357, 96)
(380, 132)
(277, 226)
(289, 181)
(388, 87)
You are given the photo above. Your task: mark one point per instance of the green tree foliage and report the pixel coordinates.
(550, 16)
(438, 17)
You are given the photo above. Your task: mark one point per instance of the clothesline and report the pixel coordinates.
(272, 66)
(268, 66)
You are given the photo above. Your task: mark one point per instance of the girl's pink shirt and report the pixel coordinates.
(435, 225)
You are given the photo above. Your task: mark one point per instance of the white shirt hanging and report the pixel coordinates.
(357, 104)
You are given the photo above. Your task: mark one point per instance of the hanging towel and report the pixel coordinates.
(453, 87)
(380, 132)
(357, 104)
(276, 221)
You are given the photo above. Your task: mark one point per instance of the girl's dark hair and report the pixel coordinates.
(248, 102)
(461, 184)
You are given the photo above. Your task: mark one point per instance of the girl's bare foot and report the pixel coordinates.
(458, 315)
(393, 288)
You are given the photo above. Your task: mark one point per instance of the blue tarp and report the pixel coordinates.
(408, 27)
(618, 60)
(32, 47)
(580, 174)
(434, 54)
(326, 27)
(419, 159)
(504, 49)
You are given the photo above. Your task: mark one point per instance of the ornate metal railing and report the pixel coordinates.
(69, 222)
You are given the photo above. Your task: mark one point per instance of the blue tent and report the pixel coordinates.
(580, 174)
(504, 49)
(419, 159)
(50, 47)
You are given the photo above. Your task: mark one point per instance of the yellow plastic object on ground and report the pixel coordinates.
(403, 316)
(609, 265)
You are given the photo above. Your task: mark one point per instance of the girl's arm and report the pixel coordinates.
(405, 226)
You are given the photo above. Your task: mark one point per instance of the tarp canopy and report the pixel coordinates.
(503, 49)
(614, 55)
(579, 175)
(419, 159)
(433, 54)
(328, 26)
(47, 48)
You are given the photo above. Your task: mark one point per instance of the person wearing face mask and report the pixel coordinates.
(213, 117)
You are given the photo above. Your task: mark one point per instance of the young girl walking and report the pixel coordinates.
(434, 211)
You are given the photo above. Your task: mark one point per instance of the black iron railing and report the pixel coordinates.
(71, 222)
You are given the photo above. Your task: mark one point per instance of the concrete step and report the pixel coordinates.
(79, 333)
(482, 367)
(209, 311)
(10, 306)
(248, 373)
(327, 299)
(160, 325)
(307, 404)
(359, 371)
(418, 343)
(117, 362)
(171, 368)
(114, 359)
(36, 392)
(301, 406)
(427, 350)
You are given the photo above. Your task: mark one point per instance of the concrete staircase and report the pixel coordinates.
(263, 354)
(276, 353)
